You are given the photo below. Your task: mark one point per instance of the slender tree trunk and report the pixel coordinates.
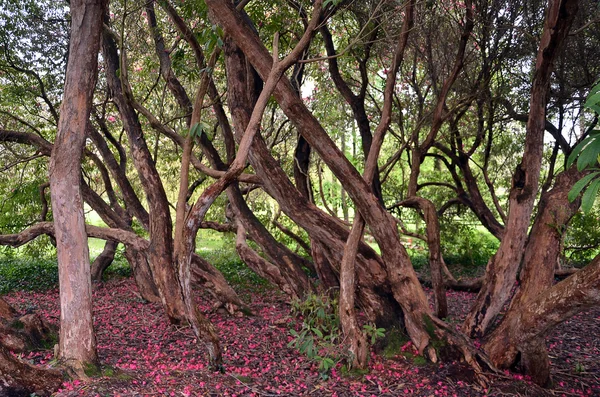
(77, 340)
(104, 260)
(435, 255)
(502, 268)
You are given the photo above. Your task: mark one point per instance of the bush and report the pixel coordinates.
(466, 245)
(320, 336)
(27, 274)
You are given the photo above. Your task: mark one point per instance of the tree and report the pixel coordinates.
(77, 349)
(440, 131)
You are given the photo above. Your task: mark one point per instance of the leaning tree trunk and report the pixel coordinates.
(374, 292)
(502, 268)
(402, 278)
(435, 255)
(104, 260)
(541, 253)
(77, 348)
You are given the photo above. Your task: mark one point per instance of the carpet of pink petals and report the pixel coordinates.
(154, 358)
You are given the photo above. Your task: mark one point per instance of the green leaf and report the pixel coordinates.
(593, 99)
(318, 332)
(196, 130)
(578, 187)
(587, 201)
(589, 155)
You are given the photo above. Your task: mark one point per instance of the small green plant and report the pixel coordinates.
(373, 333)
(320, 336)
(579, 368)
(320, 332)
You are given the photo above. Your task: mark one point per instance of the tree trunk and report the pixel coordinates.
(435, 255)
(541, 253)
(104, 260)
(77, 340)
(539, 315)
(204, 273)
(374, 293)
(502, 268)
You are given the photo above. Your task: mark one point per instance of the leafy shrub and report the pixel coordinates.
(465, 245)
(27, 274)
(320, 331)
(320, 336)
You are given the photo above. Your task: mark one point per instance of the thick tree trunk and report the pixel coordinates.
(503, 266)
(539, 315)
(77, 340)
(537, 275)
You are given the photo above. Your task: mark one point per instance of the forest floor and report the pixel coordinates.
(145, 356)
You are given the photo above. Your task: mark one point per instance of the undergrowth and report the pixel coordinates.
(320, 336)
(234, 270)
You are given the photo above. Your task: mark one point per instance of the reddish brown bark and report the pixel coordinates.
(555, 305)
(541, 253)
(20, 378)
(435, 255)
(374, 293)
(77, 348)
(356, 338)
(502, 268)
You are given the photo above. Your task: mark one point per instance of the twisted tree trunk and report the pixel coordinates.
(502, 268)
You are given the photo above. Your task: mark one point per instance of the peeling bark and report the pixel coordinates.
(502, 268)
(77, 347)
(541, 253)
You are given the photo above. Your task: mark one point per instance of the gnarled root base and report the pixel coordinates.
(471, 354)
(19, 378)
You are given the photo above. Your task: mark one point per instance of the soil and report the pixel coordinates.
(143, 355)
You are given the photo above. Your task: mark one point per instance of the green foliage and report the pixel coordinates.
(227, 261)
(587, 154)
(466, 245)
(582, 239)
(373, 333)
(27, 274)
(319, 336)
